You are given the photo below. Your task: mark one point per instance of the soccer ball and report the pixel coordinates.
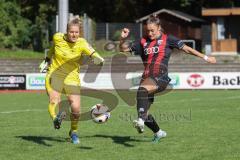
(100, 113)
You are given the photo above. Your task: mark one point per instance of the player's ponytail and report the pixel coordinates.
(154, 19)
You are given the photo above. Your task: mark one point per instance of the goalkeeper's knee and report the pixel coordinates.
(75, 116)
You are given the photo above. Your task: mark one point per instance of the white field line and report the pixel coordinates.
(197, 100)
(25, 110)
(182, 100)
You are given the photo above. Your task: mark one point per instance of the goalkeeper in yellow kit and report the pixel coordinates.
(63, 65)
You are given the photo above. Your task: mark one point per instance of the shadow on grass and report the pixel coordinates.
(122, 140)
(41, 140)
(84, 147)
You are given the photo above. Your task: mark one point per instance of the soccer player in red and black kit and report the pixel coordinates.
(155, 50)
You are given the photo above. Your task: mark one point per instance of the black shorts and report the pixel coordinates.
(162, 83)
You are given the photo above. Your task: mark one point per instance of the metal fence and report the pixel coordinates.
(112, 31)
(88, 28)
(93, 31)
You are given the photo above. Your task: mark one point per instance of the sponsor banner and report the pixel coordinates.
(205, 80)
(35, 81)
(197, 80)
(175, 80)
(136, 78)
(194, 80)
(12, 81)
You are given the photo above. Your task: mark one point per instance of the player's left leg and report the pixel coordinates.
(74, 101)
(151, 123)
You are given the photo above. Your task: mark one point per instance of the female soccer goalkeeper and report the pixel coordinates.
(63, 73)
(155, 50)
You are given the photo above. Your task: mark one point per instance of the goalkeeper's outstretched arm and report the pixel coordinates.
(88, 50)
(97, 59)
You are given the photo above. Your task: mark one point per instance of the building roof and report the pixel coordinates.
(220, 11)
(178, 14)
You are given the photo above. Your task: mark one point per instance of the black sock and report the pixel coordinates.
(151, 98)
(142, 103)
(152, 124)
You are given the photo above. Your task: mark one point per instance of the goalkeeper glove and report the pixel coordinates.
(97, 59)
(43, 66)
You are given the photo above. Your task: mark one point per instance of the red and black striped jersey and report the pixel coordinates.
(156, 53)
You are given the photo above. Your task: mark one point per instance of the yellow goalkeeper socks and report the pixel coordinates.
(74, 122)
(74, 125)
(51, 110)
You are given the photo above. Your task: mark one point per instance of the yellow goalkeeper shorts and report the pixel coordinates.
(69, 85)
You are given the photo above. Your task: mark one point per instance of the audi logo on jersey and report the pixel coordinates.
(151, 50)
(195, 80)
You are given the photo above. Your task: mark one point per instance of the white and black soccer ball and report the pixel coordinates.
(100, 113)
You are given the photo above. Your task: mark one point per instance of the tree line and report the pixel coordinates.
(28, 24)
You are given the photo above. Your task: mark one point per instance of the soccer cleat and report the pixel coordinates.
(74, 137)
(157, 136)
(139, 125)
(58, 120)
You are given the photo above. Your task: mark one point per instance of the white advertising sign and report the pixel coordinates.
(193, 80)
(217, 80)
(35, 81)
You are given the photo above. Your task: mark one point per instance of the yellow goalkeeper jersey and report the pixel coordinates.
(66, 56)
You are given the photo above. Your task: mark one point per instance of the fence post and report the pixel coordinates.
(107, 31)
(57, 30)
(89, 30)
(85, 26)
(140, 26)
(62, 15)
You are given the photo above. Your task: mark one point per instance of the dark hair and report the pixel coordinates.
(153, 19)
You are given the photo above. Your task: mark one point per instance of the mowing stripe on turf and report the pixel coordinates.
(182, 100)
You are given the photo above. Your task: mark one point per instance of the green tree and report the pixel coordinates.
(14, 31)
(130, 10)
(27, 23)
(41, 14)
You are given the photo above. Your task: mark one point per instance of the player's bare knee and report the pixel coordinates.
(75, 116)
(54, 100)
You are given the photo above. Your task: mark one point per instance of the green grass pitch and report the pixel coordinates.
(201, 125)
